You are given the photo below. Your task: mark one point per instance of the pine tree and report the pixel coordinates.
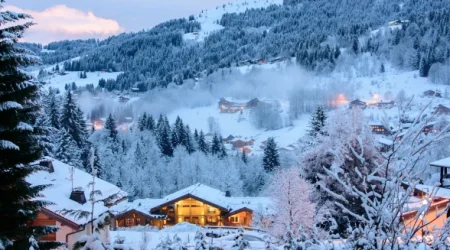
(18, 140)
(68, 151)
(215, 145)
(202, 145)
(142, 122)
(188, 143)
(271, 159)
(355, 45)
(196, 135)
(223, 150)
(111, 127)
(317, 122)
(244, 157)
(163, 136)
(52, 108)
(150, 123)
(72, 120)
(97, 164)
(382, 69)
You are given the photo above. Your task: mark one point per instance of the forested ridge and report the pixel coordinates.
(315, 32)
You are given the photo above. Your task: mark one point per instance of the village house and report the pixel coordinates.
(238, 144)
(66, 193)
(385, 105)
(197, 204)
(233, 107)
(229, 139)
(357, 104)
(384, 145)
(432, 93)
(123, 99)
(379, 128)
(442, 110)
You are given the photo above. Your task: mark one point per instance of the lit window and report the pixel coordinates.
(129, 222)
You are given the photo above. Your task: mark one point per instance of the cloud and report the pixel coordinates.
(61, 22)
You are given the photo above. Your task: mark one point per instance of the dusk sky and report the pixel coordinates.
(69, 19)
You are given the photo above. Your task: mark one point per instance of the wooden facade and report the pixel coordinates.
(200, 212)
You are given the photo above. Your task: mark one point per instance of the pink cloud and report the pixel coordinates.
(61, 22)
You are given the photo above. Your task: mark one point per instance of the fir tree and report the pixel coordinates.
(382, 69)
(52, 108)
(244, 157)
(196, 135)
(111, 127)
(317, 122)
(187, 143)
(72, 120)
(68, 151)
(202, 145)
(163, 137)
(271, 159)
(150, 123)
(355, 45)
(223, 150)
(215, 145)
(19, 144)
(97, 164)
(142, 122)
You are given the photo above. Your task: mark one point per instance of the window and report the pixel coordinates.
(129, 222)
(138, 221)
(235, 219)
(211, 210)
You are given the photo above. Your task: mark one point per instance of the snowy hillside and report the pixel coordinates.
(209, 18)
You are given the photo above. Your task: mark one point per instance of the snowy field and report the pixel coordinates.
(209, 18)
(59, 81)
(186, 232)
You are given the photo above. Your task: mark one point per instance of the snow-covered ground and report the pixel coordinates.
(59, 81)
(209, 18)
(186, 232)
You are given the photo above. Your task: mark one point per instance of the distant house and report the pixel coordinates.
(233, 107)
(384, 145)
(62, 196)
(432, 93)
(358, 104)
(385, 105)
(238, 144)
(123, 99)
(379, 128)
(228, 139)
(278, 59)
(442, 110)
(197, 204)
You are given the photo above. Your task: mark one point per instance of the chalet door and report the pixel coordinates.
(187, 219)
(195, 220)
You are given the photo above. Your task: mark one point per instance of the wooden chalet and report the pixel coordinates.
(379, 129)
(357, 104)
(62, 196)
(233, 107)
(384, 145)
(238, 144)
(432, 93)
(197, 204)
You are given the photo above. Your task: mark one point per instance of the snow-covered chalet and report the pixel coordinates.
(69, 191)
(197, 204)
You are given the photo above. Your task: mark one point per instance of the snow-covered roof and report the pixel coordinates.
(436, 192)
(198, 190)
(445, 163)
(215, 197)
(385, 141)
(141, 205)
(61, 188)
(259, 204)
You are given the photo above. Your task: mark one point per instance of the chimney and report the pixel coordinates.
(48, 165)
(77, 195)
(227, 194)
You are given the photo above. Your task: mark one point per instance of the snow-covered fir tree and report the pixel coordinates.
(271, 159)
(67, 150)
(19, 140)
(239, 242)
(317, 122)
(111, 127)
